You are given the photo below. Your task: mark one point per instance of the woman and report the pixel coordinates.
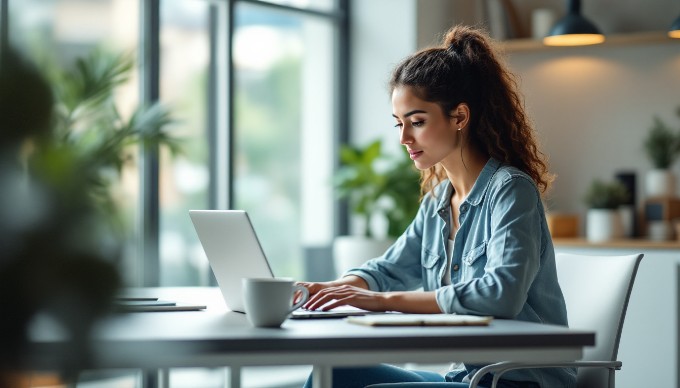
(479, 243)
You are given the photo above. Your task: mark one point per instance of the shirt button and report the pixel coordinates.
(463, 208)
(455, 267)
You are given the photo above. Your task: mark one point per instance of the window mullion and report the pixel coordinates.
(4, 26)
(220, 105)
(149, 163)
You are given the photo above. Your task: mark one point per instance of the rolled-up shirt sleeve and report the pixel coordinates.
(399, 268)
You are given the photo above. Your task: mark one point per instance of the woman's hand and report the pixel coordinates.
(343, 291)
(326, 297)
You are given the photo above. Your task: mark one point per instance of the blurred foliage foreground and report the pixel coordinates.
(60, 242)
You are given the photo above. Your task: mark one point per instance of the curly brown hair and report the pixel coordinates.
(467, 69)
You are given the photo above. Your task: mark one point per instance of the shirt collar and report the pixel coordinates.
(478, 189)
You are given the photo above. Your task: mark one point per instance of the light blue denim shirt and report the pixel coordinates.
(503, 258)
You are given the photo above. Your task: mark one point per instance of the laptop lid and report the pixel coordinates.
(234, 252)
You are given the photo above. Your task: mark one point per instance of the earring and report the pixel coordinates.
(460, 128)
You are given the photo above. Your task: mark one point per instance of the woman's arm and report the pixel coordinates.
(353, 291)
(382, 284)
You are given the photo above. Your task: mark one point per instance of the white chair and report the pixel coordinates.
(596, 290)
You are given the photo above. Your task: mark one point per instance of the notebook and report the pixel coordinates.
(399, 319)
(234, 252)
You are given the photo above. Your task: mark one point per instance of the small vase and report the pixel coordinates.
(603, 225)
(659, 230)
(660, 183)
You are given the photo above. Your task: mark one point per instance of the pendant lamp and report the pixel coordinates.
(573, 29)
(674, 32)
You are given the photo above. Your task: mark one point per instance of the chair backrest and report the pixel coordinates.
(596, 291)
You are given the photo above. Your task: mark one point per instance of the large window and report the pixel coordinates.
(283, 131)
(256, 91)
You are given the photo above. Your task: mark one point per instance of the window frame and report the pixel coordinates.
(220, 118)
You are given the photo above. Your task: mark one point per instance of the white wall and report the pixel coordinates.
(382, 33)
(592, 107)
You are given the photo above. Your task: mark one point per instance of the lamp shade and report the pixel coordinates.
(674, 32)
(573, 29)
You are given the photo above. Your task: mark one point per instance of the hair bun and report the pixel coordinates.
(455, 36)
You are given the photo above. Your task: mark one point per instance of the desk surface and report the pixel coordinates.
(218, 337)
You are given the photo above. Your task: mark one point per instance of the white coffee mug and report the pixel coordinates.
(269, 301)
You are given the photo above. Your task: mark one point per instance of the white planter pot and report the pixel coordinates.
(353, 251)
(659, 230)
(603, 225)
(660, 183)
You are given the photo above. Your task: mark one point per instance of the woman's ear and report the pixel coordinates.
(461, 115)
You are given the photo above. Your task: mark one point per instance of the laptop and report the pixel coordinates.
(234, 252)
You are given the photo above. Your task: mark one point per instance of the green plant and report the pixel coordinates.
(89, 133)
(394, 191)
(605, 195)
(662, 144)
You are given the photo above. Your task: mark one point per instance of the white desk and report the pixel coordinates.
(217, 337)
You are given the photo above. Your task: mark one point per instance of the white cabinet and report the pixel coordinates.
(649, 341)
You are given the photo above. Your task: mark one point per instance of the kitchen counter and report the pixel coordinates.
(635, 243)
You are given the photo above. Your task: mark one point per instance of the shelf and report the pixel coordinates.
(632, 39)
(616, 244)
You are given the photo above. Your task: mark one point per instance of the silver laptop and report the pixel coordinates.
(234, 252)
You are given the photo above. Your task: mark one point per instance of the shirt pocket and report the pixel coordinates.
(429, 259)
(474, 254)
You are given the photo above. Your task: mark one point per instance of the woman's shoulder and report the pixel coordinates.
(507, 173)
(512, 176)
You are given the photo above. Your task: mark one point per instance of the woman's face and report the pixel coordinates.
(428, 134)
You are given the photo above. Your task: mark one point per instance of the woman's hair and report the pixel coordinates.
(467, 69)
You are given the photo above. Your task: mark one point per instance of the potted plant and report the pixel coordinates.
(661, 146)
(391, 193)
(603, 220)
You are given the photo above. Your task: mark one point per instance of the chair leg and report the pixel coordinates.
(164, 378)
(234, 377)
(322, 376)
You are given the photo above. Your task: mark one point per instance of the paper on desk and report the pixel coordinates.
(420, 320)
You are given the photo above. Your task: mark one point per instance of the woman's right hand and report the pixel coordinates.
(315, 287)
